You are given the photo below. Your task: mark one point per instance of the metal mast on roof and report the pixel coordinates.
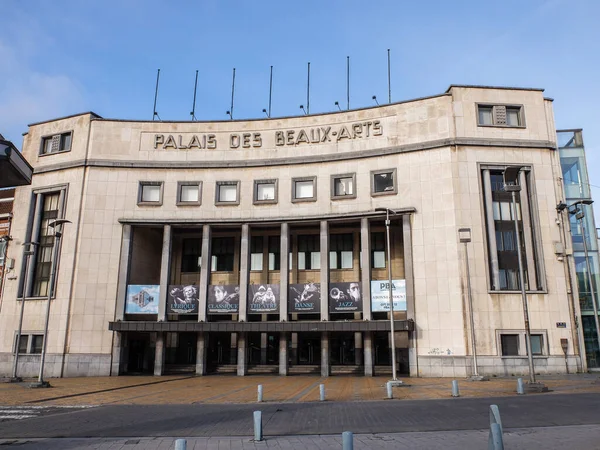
(193, 113)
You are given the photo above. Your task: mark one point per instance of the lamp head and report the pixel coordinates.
(561, 206)
(464, 234)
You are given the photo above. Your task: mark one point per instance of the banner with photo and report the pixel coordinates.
(223, 299)
(304, 298)
(263, 298)
(380, 295)
(142, 299)
(182, 299)
(345, 297)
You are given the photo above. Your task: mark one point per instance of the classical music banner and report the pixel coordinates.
(223, 299)
(380, 295)
(263, 298)
(304, 298)
(345, 297)
(182, 299)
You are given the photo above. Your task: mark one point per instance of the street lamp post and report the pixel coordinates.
(579, 215)
(57, 226)
(464, 235)
(511, 184)
(27, 252)
(390, 287)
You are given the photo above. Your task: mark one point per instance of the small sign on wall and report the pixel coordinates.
(561, 324)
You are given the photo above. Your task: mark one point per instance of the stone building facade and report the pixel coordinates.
(259, 246)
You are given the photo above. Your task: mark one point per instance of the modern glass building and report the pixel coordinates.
(577, 188)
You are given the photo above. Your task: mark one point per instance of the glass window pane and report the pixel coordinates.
(304, 189)
(496, 209)
(343, 186)
(513, 117)
(536, 344)
(37, 342)
(272, 261)
(150, 193)
(23, 343)
(265, 191)
(189, 193)
(505, 211)
(47, 145)
(485, 115)
(510, 344)
(333, 263)
(302, 261)
(227, 193)
(347, 260)
(256, 261)
(384, 182)
(315, 260)
(378, 260)
(65, 141)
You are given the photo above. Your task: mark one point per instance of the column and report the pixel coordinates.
(204, 272)
(233, 345)
(201, 351)
(242, 364)
(123, 271)
(324, 249)
(358, 348)
(159, 355)
(324, 354)
(527, 236)
(165, 266)
(365, 275)
(368, 353)
(117, 352)
(294, 349)
(244, 272)
(283, 354)
(263, 348)
(284, 272)
(410, 294)
(489, 217)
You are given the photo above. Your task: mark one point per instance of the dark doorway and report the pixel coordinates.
(382, 349)
(342, 349)
(220, 352)
(181, 352)
(309, 349)
(140, 358)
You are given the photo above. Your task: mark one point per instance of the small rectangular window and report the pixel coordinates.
(500, 115)
(57, 143)
(37, 341)
(383, 182)
(150, 193)
(343, 186)
(228, 193)
(486, 115)
(304, 189)
(189, 193)
(536, 344)
(265, 191)
(510, 344)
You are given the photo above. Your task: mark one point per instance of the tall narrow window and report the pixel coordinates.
(256, 253)
(190, 255)
(378, 250)
(274, 252)
(50, 210)
(309, 255)
(223, 252)
(340, 251)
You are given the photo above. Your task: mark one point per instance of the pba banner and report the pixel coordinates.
(345, 297)
(380, 295)
(304, 298)
(182, 299)
(264, 298)
(142, 299)
(223, 299)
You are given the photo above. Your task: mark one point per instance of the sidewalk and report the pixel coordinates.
(546, 438)
(224, 389)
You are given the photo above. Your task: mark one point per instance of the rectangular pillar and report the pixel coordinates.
(263, 348)
(324, 249)
(124, 262)
(358, 347)
(242, 363)
(233, 348)
(165, 265)
(489, 217)
(117, 353)
(201, 351)
(244, 272)
(284, 271)
(204, 272)
(365, 273)
(159, 355)
(325, 369)
(368, 353)
(283, 354)
(294, 349)
(410, 294)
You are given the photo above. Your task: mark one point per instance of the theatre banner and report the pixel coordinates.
(304, 298)
(263, 298)
(182, 299)
(142, 299)
(345, 297)
(380, 295)
(223, 299)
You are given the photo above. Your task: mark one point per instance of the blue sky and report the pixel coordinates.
(62, 57)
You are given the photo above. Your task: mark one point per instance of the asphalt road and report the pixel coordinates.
(289, 419)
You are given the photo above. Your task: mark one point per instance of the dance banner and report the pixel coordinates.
(304, 298)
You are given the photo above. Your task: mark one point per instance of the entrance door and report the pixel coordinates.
(309, 349)
(140, 355)
(382, 349)
(220, 352)
(342, 349)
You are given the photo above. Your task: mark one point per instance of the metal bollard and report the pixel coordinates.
(347, 440)
(455, 392)
(180, 444)
(495, 416)
(260, 393)
(258, 434)
(520, 386)
(390, 394)
(322, 392)
(495, 440)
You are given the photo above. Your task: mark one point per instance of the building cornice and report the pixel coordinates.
(311, 159)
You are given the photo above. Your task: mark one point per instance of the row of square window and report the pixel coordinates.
(304, 189)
